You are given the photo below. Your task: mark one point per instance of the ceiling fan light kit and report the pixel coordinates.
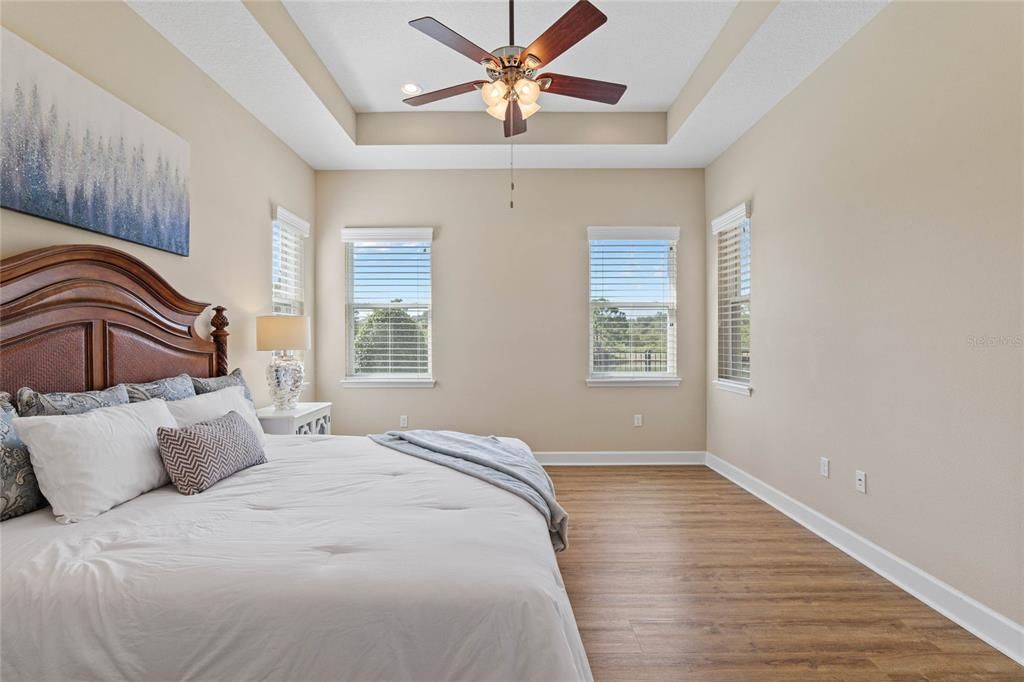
(513, 88)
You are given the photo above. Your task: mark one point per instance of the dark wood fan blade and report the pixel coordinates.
(428, 97)
(581, 20)
(583, 88)
(514, 121)
(441, 33)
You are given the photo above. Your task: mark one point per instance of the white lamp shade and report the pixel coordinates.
(282, 332)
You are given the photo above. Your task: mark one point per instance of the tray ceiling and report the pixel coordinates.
(371, 50)
(316, 73)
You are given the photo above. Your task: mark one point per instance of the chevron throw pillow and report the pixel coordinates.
(199, 455)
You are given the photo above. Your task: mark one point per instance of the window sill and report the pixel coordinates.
(733, 387)
(632, 381)
(351, 382)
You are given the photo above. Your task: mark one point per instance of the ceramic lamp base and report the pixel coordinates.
(284, 376)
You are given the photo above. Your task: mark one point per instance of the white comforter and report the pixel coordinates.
(339, 559)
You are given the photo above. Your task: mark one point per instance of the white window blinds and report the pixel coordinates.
(732, 232)
(288, 258)
(388, 309)
(633, 302)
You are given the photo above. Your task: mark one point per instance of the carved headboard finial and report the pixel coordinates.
(220, 338)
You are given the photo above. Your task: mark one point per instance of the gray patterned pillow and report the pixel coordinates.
(199, 455)
(32, 404)
(19, 492)
(216, 383)
(172, 388)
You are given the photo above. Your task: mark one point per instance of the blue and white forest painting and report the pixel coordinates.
(75, 154)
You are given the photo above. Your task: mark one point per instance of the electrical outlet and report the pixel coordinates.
(862, 482)
(403, 421)
(823, 467)
(638, 420)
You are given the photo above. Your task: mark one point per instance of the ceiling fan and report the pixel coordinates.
(512, 88)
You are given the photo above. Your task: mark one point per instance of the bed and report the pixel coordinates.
(338, 559)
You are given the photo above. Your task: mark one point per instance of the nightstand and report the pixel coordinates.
(306, 419)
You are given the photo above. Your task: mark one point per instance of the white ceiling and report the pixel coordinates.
(371, 50)
(226, 42)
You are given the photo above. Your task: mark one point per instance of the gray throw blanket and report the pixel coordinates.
(504, 464)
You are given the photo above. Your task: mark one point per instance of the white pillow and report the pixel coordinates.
(216, 404)
(88, 463)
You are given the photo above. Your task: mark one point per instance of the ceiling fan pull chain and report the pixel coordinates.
(511, 174)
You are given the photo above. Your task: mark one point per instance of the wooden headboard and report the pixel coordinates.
(82, 317)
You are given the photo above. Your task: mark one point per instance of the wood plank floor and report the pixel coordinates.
(677, 574)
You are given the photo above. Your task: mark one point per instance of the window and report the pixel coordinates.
(732, 231)
(288, 258)
(388, 308)
(633, 305)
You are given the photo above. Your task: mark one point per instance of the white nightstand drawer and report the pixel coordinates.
(305, 419)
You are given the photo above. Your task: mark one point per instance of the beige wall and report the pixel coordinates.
(238, 168)
(510, 304)
(886, 233)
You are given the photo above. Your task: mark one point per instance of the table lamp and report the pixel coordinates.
(283, 334)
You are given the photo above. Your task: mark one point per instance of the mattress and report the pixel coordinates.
(338, 559)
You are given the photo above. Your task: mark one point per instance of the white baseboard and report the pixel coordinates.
(999, 631)
(638, 457)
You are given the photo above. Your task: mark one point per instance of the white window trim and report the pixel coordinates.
(728, 220)
(731, 218)
(283, 215)
(664, 233)
(388, 234)
(604, 381)
(733, 386)
(614, 232)
(358, 382)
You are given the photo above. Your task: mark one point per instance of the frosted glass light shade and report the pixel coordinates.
(492, 93)
(498, 110)
(529, 110)
(527, 90)
(282, 332)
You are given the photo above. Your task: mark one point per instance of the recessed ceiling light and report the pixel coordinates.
(411, 89)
